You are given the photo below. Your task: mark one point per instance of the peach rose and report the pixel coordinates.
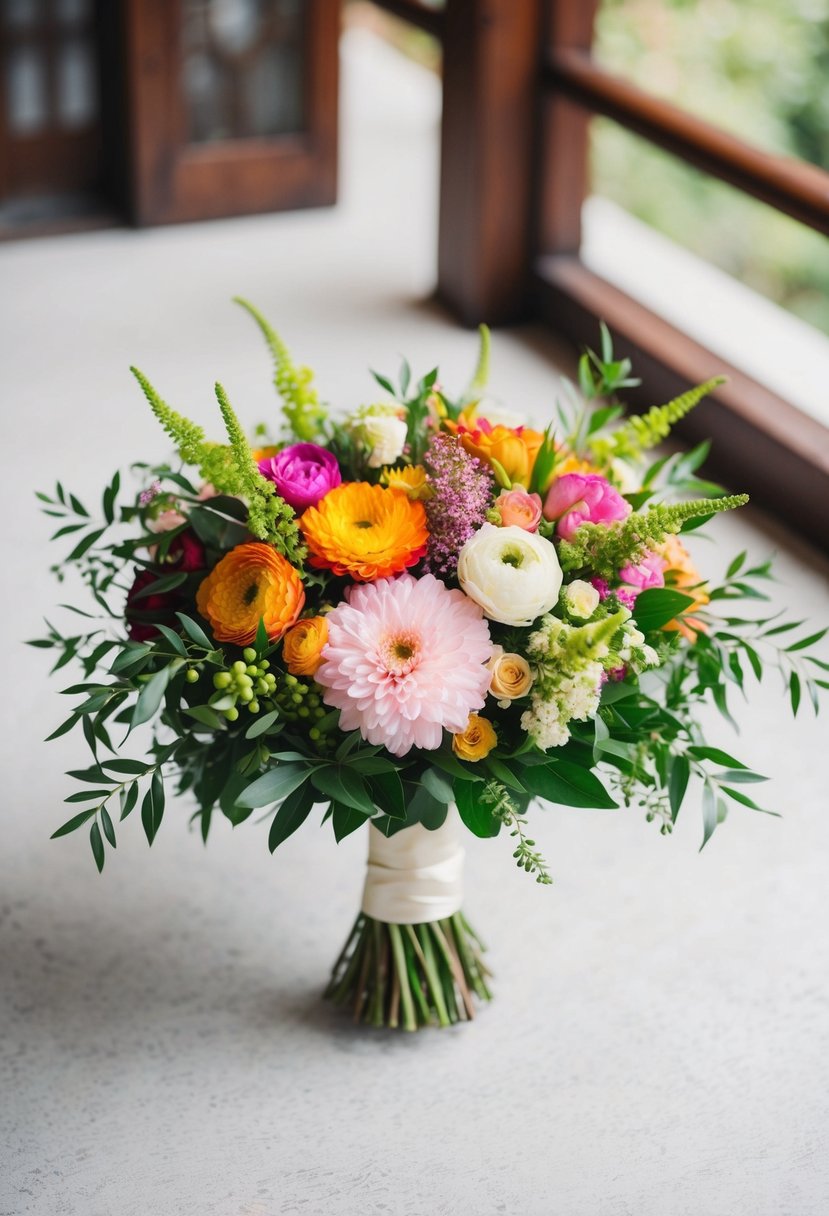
(520, 509)
(511, 677)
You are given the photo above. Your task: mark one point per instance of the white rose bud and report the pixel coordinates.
(512, 574)
(581, 599)
(384, 435)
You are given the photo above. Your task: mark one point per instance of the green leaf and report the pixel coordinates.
(387, 793)
(152, 808)
(717, 755)
(568, 784)
(738, 796)
(174, 640)
(736, 565)
(97, 845)
(88, 795)
(709, 814)
(794, 692)
(292, 814)
(809, 641)
(194, 631)
(342, 784)
(64, 727)
(450, 764)
(73, 824)
(739, 776)
(263, 722)
(85, 544)
(129, 797)
(504, 774)
(438, 785)
(109, 830)
(346, 820)
(659, 605)
(678, 783)
(477, 816)
(110, 495)
(150, 697)
(206, 716)
(128, 658)
(274, 785)
(167, 582)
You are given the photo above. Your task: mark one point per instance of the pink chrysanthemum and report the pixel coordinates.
(405, 660)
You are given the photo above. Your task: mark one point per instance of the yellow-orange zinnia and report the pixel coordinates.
(250, 583)
(365, 532)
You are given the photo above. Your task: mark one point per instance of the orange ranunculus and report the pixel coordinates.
(365, 532)
(303, 646)
(251, 583)
(515, 449)
(683, 574)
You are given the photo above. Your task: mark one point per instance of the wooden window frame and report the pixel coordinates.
(520, 89)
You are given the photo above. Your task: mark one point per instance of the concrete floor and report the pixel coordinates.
(660, 1039)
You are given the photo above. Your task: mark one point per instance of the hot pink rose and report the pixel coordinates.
(519, 509)
(647, 573)
(583, 498)
(302, 473)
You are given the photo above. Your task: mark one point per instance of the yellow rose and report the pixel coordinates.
(302, 648)
(477, 741)
(511, 677)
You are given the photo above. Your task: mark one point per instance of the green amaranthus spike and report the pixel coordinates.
(269, 516)
(643, 431)
(604, 549)
(480, 377)
(186, 435)
(304, 411)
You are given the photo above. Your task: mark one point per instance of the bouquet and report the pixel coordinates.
(422, 617)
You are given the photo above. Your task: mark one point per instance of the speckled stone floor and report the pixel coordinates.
(660, 1038)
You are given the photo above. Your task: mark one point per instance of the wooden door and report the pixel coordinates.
(232, 106)
(49, 112)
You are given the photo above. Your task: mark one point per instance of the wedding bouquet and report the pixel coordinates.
(423, 617)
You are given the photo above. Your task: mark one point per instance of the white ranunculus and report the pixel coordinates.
(581, 599)
(384, 435)
(512, 574)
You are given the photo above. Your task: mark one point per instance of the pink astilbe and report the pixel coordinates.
(461, 496)
(405, 660)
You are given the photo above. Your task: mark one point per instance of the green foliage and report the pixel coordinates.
(269, 516)
(303, 410)
(503, 806)
(644, 431)
(480, 377)
(604, 549)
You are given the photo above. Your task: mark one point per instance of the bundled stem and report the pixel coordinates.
(408, 976)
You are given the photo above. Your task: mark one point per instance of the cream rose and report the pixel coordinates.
(384, 435)
(511, 677)
(513, 575)
(581, 599)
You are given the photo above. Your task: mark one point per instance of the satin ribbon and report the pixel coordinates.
(415, 876)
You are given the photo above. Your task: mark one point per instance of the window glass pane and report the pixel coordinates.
(759, 69)
(26, 90)
(705, 255)
(243, 68)
(73, 12)
(21, 14)
(76, 102)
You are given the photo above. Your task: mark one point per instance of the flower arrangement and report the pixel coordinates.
(423, 617)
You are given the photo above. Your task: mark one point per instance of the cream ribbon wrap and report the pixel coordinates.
(415, 876)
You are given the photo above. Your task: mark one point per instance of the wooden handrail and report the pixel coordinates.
(416, 13)
(798, 189)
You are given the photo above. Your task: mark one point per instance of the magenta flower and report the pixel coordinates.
(647, 573)
(302, 473)
(405, 660)
(583, 498)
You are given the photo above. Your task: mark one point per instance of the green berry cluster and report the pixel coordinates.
(301, 701)
(246, 682)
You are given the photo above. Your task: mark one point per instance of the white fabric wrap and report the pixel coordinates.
(415, 876)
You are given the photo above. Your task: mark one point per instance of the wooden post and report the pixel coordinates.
(491, 65)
